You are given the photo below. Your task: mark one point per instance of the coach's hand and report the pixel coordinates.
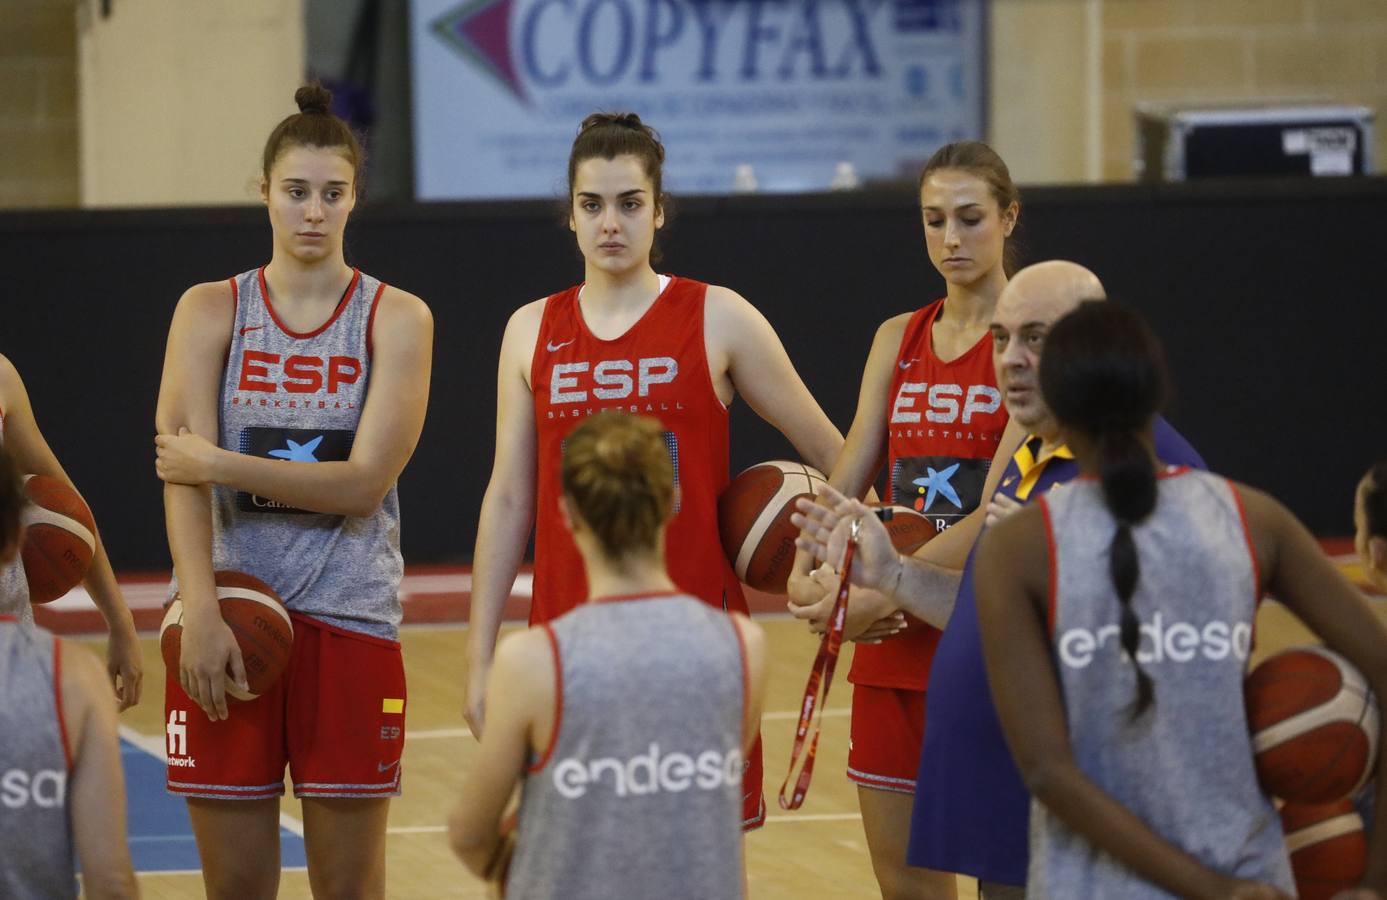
(999, 507)
(825, 529)
(208, 657)
(185, 458)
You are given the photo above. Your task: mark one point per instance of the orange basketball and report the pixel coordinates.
(59, 540)
(1314, 725)
(754, 520)
(257, 618)
(1329, 851)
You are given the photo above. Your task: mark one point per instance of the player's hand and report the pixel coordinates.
(872, 617)
(125, 663)
(806, 590)
(474, 703)
(185, 458)
(999, 507)
(209, 656)
(825, 529)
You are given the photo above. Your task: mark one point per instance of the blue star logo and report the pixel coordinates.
(304, 452)
(938, 483)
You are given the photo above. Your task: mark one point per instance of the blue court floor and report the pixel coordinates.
(161, 837)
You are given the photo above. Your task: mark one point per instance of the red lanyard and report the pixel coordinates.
(821, 673)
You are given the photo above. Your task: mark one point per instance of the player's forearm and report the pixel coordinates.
(502, 531)
(105, 591)
(926, 591)
(188, 521)
(342, 488)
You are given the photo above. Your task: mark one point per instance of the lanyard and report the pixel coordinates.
(820, 673)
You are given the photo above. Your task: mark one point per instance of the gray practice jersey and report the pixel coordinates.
(298, 398)
(640, 793)
(1185, 766)
(36, 858)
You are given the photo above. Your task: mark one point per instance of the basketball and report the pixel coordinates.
(257, 618)
(1314, 725)
(59, 540)
(1328, 849)
(754, 521)
(909, 529)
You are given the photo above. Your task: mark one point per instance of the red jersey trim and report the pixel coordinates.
(341, 305)
(558, 700)
(583, 323)
(1257, 589)
(311, 622)
(746, 673)
(371, 320)
(235, 308)
(1052, 564)
(58, 700)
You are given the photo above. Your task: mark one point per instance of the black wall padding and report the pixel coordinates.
(1268, 296)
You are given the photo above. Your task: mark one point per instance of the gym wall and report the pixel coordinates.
(1267, 295)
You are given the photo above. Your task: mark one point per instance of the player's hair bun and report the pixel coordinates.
(313, 99)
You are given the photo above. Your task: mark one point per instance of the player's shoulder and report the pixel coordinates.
(525, 658)
(398, 308)
(80, 674)
(893, 329)
(209, 301)
(529, 315)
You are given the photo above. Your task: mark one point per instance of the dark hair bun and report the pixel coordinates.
(313, 98)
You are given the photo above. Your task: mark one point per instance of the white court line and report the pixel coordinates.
(154, 746)
(434, 734)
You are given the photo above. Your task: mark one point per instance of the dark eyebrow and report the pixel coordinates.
(941, 209)
(630, 193)
(305, 181)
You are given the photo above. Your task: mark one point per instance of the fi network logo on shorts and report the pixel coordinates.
(177, 736)
(649, 773)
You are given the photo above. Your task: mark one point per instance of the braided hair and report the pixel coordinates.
(1103, 374)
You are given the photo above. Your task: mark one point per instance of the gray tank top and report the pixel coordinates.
(298, 398)
(1185, 766)
(35, 830)
(14, 586)
(640, 794)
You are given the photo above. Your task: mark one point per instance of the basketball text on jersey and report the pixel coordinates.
(1178, 642)
(44, 788)
(649, 773)
(176, 736)
(304, 445)
(943, 402)
(610, 379)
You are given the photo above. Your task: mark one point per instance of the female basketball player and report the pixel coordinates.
(929, 404)
(631, 760)
(20, 435)
(627, 338)
(1101, 729)
(292, 397)
(64, 797)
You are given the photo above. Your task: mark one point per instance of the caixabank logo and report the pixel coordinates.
(531, 46)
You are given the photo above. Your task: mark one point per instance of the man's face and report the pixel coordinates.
(1019, 325)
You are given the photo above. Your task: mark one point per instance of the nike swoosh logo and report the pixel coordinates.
(551, 346)
(250, 328)
(383, 768)
(907, 363)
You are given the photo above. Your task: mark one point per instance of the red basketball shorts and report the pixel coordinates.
(888, 727)
(753, 795)
(336, 719)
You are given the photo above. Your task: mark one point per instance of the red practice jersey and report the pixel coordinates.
(944, 422)
(658, 368)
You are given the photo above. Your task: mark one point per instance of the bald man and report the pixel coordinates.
(972, 811)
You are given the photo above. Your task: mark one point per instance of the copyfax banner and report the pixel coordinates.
(790, 88)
